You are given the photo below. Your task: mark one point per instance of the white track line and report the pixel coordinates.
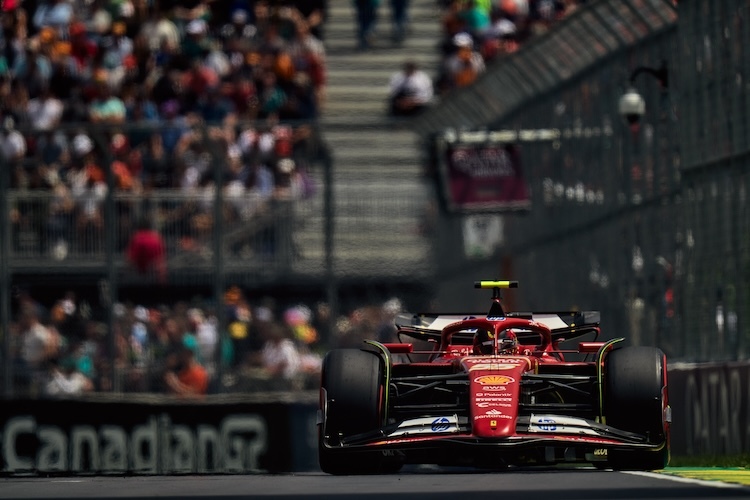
(680, 479)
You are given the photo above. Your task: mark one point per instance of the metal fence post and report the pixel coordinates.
(329, 227)
(218, 253)
(6, 357)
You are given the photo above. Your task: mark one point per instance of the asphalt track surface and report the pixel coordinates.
(420, 484)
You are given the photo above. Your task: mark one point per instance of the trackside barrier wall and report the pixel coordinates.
(710, 411)
(710, 408)
(159, 437)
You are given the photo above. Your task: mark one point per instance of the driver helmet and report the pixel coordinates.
(484, 340)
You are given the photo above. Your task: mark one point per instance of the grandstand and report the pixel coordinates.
(123, 121)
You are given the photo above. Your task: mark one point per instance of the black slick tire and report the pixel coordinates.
(352, 382)
(634, 402)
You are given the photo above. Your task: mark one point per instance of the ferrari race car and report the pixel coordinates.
(494, 390)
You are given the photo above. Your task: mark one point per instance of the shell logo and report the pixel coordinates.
(494, 380)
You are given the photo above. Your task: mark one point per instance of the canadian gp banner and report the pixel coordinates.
(68, 437)
(485, 177)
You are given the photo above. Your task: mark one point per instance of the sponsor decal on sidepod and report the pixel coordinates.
(427, 425)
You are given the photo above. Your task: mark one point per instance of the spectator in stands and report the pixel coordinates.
(214, 106)
(198, 81)
(82, 48)
(45, 110)
(203, 328)
(56, 14)
(141, 110)
(65, 316)
(159, 30)
(106, 108)
(173, 125)
(146, 251)
(13, 146)
(59, 220)
(399, 19)
(367, 16)
(84, 353)
(89, 189)
(386, 329)
(271, 97)
(475, 17)
(17, 106)
(452, 23)
(410, 90)
(126, 166)
(38, 345)
(308, 57)
(314, 13)
(184, 375)
(63, 379)
(116, 47)
(301, 102)
(279, 356)
(157, 167)
(245, 335)
(136, 325)
(501, 38)
(463, 66)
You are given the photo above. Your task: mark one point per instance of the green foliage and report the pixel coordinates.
(740, 460)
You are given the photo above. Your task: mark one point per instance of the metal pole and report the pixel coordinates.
(108, 289)
(330, 273)
(218, 260)
(5, 284)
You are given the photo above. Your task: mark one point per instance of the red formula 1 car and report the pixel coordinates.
(492, 391)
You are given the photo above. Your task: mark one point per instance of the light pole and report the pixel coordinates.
(632, 106)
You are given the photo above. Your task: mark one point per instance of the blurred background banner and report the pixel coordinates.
(149, 435)
(485, 177)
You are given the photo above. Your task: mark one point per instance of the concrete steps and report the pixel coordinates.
(380, 194)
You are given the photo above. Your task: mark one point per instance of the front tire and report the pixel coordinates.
(352, 403)
(635, 400)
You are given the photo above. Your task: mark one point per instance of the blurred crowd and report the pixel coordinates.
(168, 86)
(475, 33)
(159, 92)
(177, 349)
(479, 32)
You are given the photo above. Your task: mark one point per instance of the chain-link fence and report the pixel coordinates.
(714, 50)
(652, 218)
(605, 229)
(645, 221)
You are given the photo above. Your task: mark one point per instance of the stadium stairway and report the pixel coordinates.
(380, 193)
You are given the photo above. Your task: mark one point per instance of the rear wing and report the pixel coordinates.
(563, 325)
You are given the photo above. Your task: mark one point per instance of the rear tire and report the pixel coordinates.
(634, 402)
(352, 381)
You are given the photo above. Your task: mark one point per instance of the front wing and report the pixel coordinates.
(539, 439)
